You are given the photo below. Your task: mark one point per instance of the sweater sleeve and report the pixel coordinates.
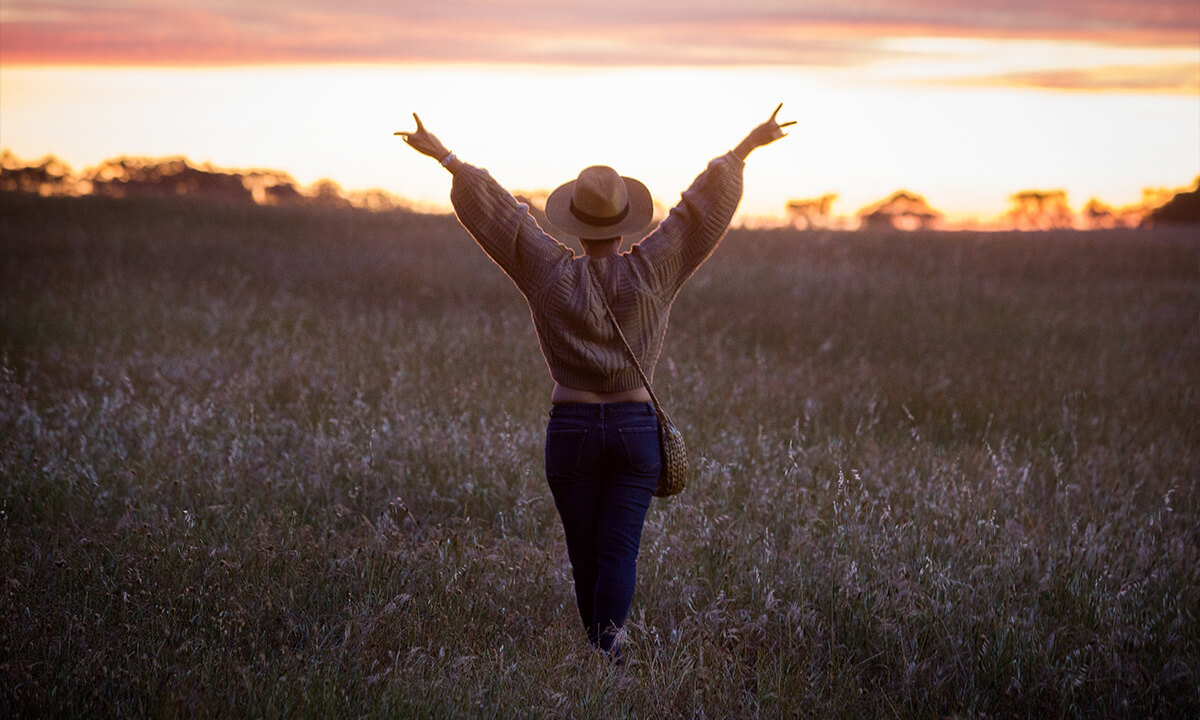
(505, 229)
(694, 227)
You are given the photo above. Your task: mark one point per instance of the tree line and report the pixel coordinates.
(1028, 210)
(177, 177)
(902, 210)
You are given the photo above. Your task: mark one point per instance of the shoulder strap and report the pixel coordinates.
(617, 325)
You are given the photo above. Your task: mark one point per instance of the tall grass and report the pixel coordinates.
(287, 462)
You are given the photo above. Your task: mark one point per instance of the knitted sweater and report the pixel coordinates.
(577, 338)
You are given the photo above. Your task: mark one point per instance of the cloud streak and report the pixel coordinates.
(1169, 79)
(567, 32)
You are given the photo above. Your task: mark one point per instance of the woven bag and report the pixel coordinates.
(675, 470)
(674, 476)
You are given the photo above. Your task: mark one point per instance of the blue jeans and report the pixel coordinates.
(602, 464)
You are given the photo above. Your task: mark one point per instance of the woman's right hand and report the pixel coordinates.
(424, 141)
(765, 134)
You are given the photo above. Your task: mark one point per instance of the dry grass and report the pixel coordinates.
(272, 462)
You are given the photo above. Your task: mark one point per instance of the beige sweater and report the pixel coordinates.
(577, 338)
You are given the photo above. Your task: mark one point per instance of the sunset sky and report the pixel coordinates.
(962, 101)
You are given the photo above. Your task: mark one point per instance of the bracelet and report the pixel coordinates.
(448, 159)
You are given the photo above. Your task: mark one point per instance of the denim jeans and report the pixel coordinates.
(602, 464)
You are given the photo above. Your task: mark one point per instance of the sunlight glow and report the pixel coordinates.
(984, 62)
(965, 148)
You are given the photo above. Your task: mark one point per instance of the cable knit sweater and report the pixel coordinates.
(577, 338)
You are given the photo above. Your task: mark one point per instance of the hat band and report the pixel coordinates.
(596, 220)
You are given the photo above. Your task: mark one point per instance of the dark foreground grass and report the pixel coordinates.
(286, 462)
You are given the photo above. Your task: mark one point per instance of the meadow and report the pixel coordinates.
(286, 462)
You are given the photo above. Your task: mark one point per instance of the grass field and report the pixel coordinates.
(281, 462)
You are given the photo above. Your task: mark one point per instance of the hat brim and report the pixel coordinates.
(641, 212)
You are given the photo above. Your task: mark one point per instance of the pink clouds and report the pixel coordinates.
(567, 32)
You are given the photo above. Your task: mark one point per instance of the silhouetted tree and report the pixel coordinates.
(374, 199)
(1040, 210)
(328, 193)
(810, 213)
(901, 210)
(1101, 216)
(1182, 209)
(165, 177)
(272, 187)
(50, 176)
(282, 194)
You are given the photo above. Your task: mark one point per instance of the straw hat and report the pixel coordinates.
(600, 204)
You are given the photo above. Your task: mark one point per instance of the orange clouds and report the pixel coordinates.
(1174, 78)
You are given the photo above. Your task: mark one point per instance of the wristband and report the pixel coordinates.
(448, 159)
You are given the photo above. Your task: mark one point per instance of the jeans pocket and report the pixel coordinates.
(641, 448)
(564, 448)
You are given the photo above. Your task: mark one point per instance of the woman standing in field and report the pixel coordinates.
(602, 452)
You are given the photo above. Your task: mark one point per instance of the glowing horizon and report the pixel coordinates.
(964, 102)
(861, 142)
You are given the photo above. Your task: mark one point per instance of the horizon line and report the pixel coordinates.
(1152, 198)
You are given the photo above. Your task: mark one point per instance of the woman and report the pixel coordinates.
(602, 454)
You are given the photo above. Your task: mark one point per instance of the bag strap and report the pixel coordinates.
(611, 316)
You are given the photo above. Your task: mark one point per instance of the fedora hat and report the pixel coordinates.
(600, 204)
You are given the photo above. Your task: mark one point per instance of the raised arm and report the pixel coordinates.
(500, 224)
(697, 223)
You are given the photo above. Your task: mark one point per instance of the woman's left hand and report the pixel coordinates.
(424, 141)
